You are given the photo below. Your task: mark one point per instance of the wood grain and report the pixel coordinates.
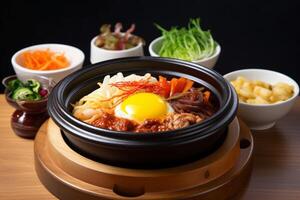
(184, 176)
(18, 179)
(276, 171)
(69, 175)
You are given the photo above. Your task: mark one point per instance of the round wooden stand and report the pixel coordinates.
(69, 175)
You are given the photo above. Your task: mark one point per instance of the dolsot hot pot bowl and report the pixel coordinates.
(142, 150)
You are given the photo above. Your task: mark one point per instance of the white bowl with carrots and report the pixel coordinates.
(54, 61)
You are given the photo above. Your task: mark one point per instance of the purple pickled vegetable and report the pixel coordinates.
(117, 40)
(43, 92)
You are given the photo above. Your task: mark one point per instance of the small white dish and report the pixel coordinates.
(73, 54)
(99, 54)
(210, 62)
(264, 116)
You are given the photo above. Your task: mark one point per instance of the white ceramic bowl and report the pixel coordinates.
(73, 54)
(210, 62)
(99, 54)
(264, 116)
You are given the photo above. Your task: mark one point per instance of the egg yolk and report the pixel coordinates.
(142, 106)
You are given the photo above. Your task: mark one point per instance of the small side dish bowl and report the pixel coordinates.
(264, 116)
(74, 55)
(100, 54)
(29, 114)
(210, 62)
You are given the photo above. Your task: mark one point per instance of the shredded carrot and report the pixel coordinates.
(181, 82)
(44, 60)
(188, 85)
(180, 85)
(173, 83)
(206, 96)
(165, 85)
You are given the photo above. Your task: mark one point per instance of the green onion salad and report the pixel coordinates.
(187, 43)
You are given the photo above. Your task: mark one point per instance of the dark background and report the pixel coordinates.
(255, 34)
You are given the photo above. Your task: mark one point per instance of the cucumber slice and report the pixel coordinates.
(25, 94)
(34, 85)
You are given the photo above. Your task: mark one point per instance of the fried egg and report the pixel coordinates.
(142, 106)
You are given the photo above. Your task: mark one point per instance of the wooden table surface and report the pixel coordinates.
(275, 176)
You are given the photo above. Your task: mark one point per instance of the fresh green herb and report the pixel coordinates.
(29, 90)
(191, 43)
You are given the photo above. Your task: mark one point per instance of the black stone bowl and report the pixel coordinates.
(142, 150)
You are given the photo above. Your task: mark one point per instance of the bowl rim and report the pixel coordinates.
(48, 45)
(121, 134)
(156, 40)
(295, 85)
(115, 51)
